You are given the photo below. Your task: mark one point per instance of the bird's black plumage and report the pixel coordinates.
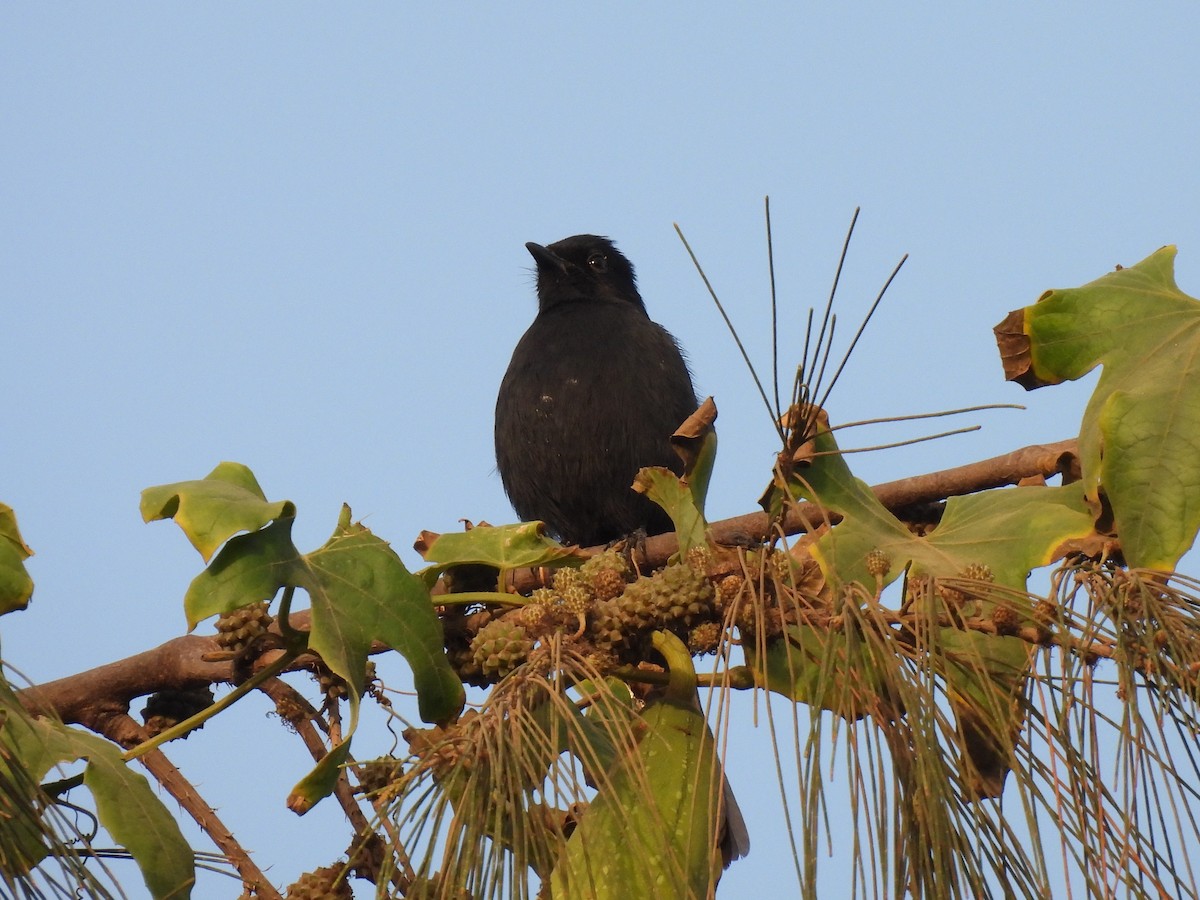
(592, 394)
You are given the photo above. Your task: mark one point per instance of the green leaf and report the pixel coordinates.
(125, 802)
(137, 819)
(832, 670)
(360, 592)
(611, 710)
(225, 502)
(16, 587)
(1009, 531)
(519, 546)
(654, 826)
(1142, 425)
(683, 497)
(250, 568)
(664, 488)
(320, 782)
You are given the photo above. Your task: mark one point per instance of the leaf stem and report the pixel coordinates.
(178, 730)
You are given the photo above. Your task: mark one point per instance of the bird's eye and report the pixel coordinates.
(598, 262)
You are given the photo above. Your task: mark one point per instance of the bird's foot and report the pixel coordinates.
(632, 548)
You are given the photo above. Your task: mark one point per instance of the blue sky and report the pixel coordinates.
(292, 236)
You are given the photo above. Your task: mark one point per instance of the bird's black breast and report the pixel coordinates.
(593, 393)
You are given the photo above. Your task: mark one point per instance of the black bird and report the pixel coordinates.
(592, 394)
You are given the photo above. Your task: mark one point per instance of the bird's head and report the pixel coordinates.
(583, 268)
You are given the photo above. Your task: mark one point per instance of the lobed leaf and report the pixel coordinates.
(250, 568)
(125, 802)
(519, 546)
(361, 591)
(653, 829)
(225, 502)
(1007, 531)
(16, 587)
(1141, 428)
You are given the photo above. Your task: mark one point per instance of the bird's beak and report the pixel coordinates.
(545, 257)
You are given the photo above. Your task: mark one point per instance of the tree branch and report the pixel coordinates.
(1038, 461)
(206, 817)
(88, 697)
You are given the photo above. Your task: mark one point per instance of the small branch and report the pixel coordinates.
(206, 817)
(283, 695)
(180, 664)
(1039, 460)
(180, 729)
(172, 780)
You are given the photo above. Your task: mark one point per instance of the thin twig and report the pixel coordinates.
(733, 331)
(861, 328)
(774, 310)
(887, 420)
(829, 322)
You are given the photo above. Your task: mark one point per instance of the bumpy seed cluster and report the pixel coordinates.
(729, 588)
(334, 686)
(499, 647)
(575, 590)
(321, 884)
(608, 584)
(565, 579)
(979, 572)
(758, 618)
(543, 596)
(692, 594)
(780, 564)
(1006, 620)
(607, 625)
(608, 561)
(575, 599)
(1045, 612)
(237, 629)
(700, 557)
(531, 616)
(376, 774)
(878, 563)
(704, 638)
(955, 597)
(637, 607)
(168, 708)
(565, 605)
(599, 600)
(602, 577)
(606, 575)
(675, 594)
